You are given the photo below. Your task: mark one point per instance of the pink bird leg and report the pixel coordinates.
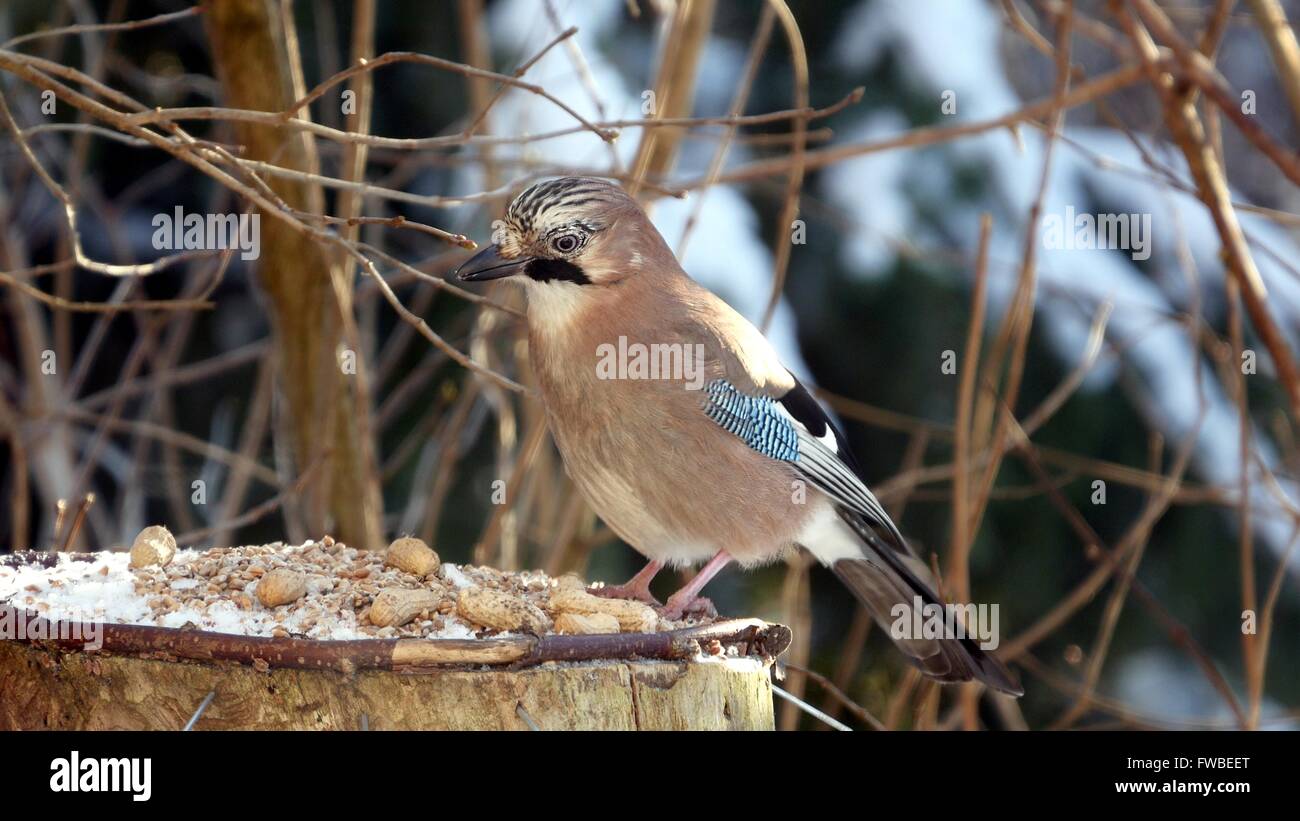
(637, 587)
(688, 599)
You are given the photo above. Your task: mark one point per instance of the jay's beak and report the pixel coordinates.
(489, 264)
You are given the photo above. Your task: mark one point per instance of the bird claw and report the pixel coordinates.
(624, 591)
(698, 607)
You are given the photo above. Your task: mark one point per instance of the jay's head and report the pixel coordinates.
(562, 233)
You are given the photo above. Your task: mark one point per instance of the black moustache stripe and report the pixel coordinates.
(555, 270)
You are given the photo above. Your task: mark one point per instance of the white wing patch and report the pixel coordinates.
(767, 425)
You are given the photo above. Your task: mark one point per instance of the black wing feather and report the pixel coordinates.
(834, 469)
(807, 411)
(793, 428)
(828, 464)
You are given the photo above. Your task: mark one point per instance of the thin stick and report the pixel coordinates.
(62, 31)
(794, 182)
(1260, 658)
(810, 710)
(393, 57)
(20, 66)
(532, 444)
(962, 527)
(525, 717)
(256, 512)
(58, 303)
(840, 696)
(203, 706)
(1281, 39)
(75, 528)
(757, 45)
(958, 560)
(20, 501)
(1189, 133)
(1083, 93)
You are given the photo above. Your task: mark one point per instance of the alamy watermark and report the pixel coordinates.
(637, 360)
(1082, 231)
(27, 625)
(921, 620)
(208, 232)
(77, 774)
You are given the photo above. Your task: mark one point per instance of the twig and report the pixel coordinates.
(679, 52)
(75, 528)
(182, 375)
(203, 706)
(1281, 39)
(1260, 658)
(446, 65)
(60, 304)
(257, 512)
(962, 525)
(810, 710)
(1083, 93)
(958, 560)
(1183, 123)
(527, 454)
(840, 696)
(20, 501)
(525, 717)
(757, 45)
(156, 20)
(794, 182)
(182, 440)
(1011, 344)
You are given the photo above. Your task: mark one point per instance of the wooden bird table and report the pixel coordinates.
(156, 678)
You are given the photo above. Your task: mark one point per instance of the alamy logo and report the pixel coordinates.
(77, 774)
(28, 625)
(674, 361)
(1115, 232)
(921, 620)
(211, 232)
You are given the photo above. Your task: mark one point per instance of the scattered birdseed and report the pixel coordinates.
(215, 590)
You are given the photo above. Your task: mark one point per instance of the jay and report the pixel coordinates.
(735, 461)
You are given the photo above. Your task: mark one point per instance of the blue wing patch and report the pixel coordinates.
(757, 420)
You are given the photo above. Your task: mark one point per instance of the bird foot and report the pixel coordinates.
(634, 592)
(695, 607)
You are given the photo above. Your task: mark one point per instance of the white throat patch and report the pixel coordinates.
(553, 305)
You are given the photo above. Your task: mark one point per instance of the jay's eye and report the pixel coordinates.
(565, 243)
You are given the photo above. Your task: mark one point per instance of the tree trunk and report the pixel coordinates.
(89, 675)
(43, 687)
(308, 307)
(47, 687)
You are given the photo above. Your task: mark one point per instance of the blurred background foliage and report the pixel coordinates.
(872, 334)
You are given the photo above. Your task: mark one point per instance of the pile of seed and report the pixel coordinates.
(321, 590)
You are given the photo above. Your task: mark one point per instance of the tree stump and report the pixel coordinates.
(153, 678)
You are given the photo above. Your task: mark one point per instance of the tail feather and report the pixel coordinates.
(884, 578)
(881, 591)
